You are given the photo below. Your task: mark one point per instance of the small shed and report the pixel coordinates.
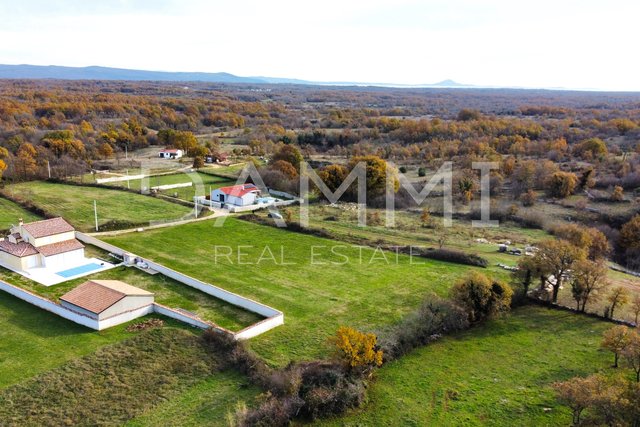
(103, 299)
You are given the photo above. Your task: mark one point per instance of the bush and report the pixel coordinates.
(435, 317)
(422, 172)
(457, 257)
(481, 297)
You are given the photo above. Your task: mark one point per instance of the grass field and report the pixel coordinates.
(33, 341)
(167, 291)
(10, 213)
(202, 184)
(75, 204)
(117, 382)
(315, 295)
(497, 374)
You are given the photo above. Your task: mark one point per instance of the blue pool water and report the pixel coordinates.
(79, 270)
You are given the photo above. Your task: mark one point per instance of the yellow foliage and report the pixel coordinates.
(356, 348)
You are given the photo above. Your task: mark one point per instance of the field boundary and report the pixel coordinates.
(273, 317)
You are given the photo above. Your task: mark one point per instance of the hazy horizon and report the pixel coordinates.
(572, 45)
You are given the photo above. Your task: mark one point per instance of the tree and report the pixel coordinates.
(422, 172)
(26, 160)
(615, 340)
(333, 176)
(376, 169)
(481, 297)
(635, 307)
(356, 349)
(589, 279)
(630, 234)
(467, 114)
(618, 194)
(562, 184)
(4, 153)
(290, 154)
(618, 297)
(591, 148)
(590, 239)
(529, 198)
(554, 259)
(631, 353)
(466, 186)
(577, 394)
(285, 167)
(425, 217)
(105, 150)
(587, 179)
(198, 162)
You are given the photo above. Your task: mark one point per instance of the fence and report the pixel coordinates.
(119, 179)
(273, 319)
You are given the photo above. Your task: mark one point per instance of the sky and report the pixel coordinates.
(552, 44)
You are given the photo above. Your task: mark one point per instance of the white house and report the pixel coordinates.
(104, 299)
(171, 153)
(238, 195)
(47, 243)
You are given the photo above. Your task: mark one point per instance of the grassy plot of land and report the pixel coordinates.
(167, 291)
(10, 213)
(75, 204)
(205, 404)
(496, 374)
(115, 383)
(33, 341)
(202, 184)
(298, 274)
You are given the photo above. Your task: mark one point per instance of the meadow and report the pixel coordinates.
(11, 212)
(75, 204)
(202, 184)
(317, 289)
(498, 374)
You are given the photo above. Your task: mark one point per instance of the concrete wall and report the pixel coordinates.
(126, 304)
(119, 179)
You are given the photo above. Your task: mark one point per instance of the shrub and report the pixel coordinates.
(357, 350)
(457, 257)
(422, 172)
(481, 297)
(403, 169)
(435, 317)
(562, 184)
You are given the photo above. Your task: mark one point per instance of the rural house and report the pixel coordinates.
(171, 153)
(104, 299)
(47, 243)
(238, 195)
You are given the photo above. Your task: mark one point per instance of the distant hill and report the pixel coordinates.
(25, 71)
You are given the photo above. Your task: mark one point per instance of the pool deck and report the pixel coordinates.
(50, 277)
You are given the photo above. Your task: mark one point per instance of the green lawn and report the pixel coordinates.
(118, 382)
(202, 184)
(167, 291)
(10, 213)
(34, 341)
(316, 296)
(498, 374)
(75, 204)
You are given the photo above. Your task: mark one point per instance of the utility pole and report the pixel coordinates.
(126, 152)
(196, 205)
(49, 169)
(95, 212)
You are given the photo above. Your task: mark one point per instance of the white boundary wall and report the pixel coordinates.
(71, 315)
(273, 319)
(119, 179)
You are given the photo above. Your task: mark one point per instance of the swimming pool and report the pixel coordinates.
(79, 270)
(266, 200)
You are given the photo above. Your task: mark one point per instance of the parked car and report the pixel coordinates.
(275, 215)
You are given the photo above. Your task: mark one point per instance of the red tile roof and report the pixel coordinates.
(48, 227)
(98, 295)
(239, 190)
(170, 150)
(21, 250)
(60, 247)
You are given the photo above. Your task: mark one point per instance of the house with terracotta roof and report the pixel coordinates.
(170, 153)
(237, 195)
(47, 243)
(104, 299)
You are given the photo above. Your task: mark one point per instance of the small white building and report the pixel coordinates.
(237, 195)
(104, 299)
(48, 243)
(171, 153)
